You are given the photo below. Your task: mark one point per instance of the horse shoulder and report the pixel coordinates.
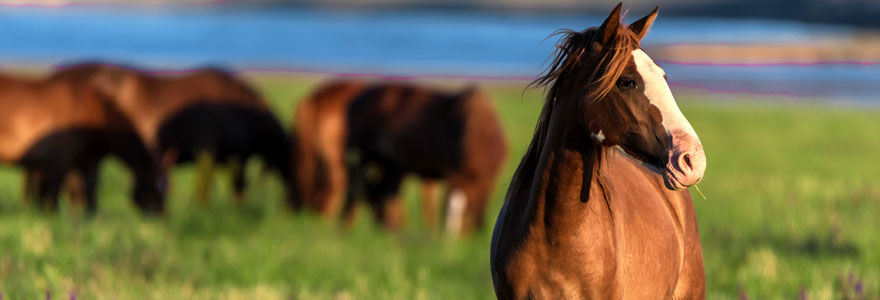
(568, 248)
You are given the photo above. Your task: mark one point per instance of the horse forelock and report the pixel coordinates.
(580, 53)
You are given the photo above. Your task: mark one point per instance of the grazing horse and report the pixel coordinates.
(59, 125)
(207, 115)
(598, 207)
(360, 139)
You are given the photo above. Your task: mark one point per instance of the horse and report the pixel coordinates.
(205, 115)
(598, 206)
(58, 126)
(359, 139)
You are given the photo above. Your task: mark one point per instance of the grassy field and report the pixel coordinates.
(793, 202)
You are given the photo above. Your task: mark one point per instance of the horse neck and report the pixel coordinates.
(567, 164)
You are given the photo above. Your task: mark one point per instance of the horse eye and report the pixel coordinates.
(625, 83)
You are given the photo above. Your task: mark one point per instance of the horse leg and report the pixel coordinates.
(204, 174)
(50, 187)
(89, 173)
(384, 199)
(353, 192)
(394, 213)
(455, 206)
(236, 170)
(478, 199)
(466, 205)
(169, 159)
(147, 196)
(32, 180)
(429, 211)
(336, 185)
(73, 184)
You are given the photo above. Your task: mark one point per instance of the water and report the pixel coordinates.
(409, 43)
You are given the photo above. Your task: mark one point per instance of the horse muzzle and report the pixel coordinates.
(687, 162)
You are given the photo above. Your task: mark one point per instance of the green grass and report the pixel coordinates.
(793, 198)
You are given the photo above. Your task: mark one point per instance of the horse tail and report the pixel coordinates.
(305, 148)
(484, 130)
(321, 129)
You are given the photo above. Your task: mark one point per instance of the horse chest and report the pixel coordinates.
(602, 258)
(636, 242)
(625, 242)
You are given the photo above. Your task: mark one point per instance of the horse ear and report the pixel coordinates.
(640, 27)
(611, 24)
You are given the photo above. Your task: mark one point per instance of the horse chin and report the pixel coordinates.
(671, 182)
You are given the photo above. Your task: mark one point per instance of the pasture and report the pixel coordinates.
(793, 193)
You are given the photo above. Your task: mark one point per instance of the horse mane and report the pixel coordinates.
(565, 75)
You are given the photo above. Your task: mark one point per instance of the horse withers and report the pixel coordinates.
(358, 139)
(206, 115)
(58, 126)
(598, 207)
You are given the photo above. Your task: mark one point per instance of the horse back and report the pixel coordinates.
(416, 128)
(35, 108)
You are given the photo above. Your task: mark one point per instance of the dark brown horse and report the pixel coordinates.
(191, 115)
(362, 138)
(598, 207)
(59, 125)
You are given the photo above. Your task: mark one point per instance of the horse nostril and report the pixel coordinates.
(687, 161)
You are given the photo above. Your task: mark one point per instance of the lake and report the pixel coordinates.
(401, 43)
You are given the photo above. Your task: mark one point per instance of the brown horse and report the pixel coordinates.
(189, 115)
(598, 207)
(57, 125)
(362, 139)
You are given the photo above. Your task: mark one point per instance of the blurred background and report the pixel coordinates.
(762, 47)
(782, 93)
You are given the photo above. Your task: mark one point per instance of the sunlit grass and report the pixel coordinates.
(793, 196)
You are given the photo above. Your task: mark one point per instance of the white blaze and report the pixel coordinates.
(658, 93)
